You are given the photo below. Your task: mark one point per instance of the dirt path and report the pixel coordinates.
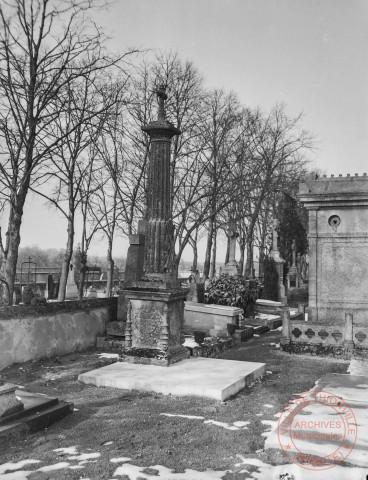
(122, 432)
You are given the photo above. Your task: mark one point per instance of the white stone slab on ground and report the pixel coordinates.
(200, 377)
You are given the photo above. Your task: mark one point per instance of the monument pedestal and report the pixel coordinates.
(154, 324)
(231, 268)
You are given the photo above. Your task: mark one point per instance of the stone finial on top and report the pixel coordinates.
(161, 97)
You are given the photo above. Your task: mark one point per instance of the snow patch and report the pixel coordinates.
(56, 466)
(132, 471)
(267, 405)
(266, 471)
(271, 423)
(108, 355)
(16, 466)
(194, 417)
(107, 443)
(85, 456)
(20, 475)
(120, 460)
(221, 424)
(66, 450)
(190, 342)
(241, 424)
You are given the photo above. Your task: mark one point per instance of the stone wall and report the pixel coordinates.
(34, 332)
(326, 338)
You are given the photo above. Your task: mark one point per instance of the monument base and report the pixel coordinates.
(154, 356)
(231, 269)
(155, 318)
(71, 292)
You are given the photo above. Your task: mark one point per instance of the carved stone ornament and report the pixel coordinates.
(309, 333)
(296, 332)
(361, 336)
(336, 335)
(323, 334)
(147, 325)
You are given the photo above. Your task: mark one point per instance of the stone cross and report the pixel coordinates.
(161, 97)
(232, 234)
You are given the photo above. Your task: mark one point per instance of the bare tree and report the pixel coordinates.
(277, 146)
(108, 205)
(42, 44)
(70, 165)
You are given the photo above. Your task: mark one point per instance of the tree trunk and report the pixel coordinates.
(207, 258)
(194, 244)
(110, 270)
(195, 257)
(10, 257)
(67, 258)
(82, 276)
(248, 273)
(227, 249)
(213, 260)
(242, 255)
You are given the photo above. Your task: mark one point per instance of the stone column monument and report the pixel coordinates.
(275, 254)
(231, 267)
(155, 300)
(71, 287)
(293, 276)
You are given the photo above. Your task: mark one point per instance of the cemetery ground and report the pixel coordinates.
(119, 434)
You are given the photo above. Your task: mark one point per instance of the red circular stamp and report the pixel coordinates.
(317, 430)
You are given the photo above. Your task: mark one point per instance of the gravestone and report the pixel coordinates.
(71, 287)
(279, 263)
(293, 275)
(231, 267)
(154, 297)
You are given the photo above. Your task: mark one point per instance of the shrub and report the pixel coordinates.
(27, 294)
(38, 301)
(233, 291)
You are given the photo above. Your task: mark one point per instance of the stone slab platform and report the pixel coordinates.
(200, 377)
(40, 411)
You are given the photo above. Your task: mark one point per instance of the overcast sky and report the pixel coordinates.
(310, 54)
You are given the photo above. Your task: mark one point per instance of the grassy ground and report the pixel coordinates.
(132, 420)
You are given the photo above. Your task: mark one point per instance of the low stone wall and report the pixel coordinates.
(34, 332)
(325, 338)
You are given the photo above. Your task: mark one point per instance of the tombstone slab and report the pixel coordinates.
(9, 403)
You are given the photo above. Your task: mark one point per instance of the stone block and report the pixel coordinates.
(200, 316)
(116, 329)
(244, 334)
(136, 239)
(9, 403)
